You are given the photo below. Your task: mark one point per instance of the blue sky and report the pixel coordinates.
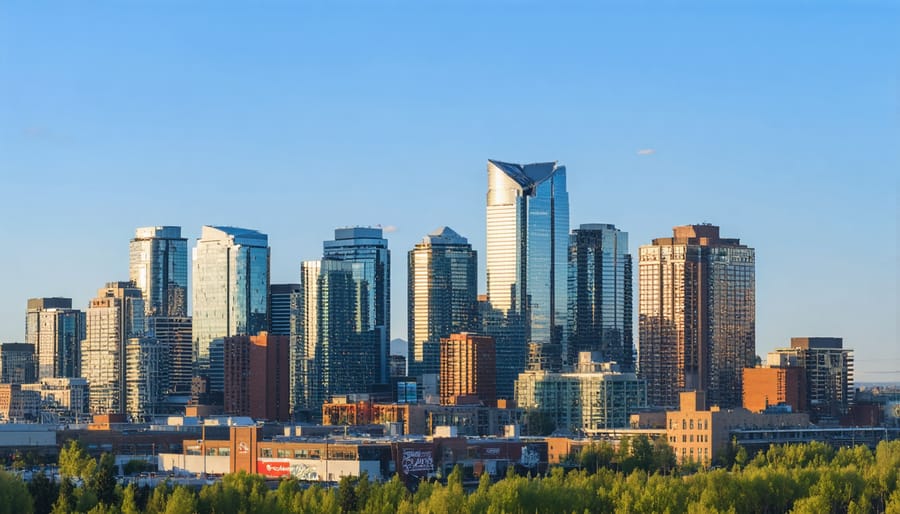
(777, 121)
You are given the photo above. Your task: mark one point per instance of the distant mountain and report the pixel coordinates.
(398, 347)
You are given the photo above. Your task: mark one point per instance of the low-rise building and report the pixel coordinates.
(700, 435)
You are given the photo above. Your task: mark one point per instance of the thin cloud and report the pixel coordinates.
(646, 151)
(390, 228)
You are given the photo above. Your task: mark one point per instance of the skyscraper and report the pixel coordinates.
(173, 335)
(600, 298)
(336, 348)
(230, 295)
(527, 243)
(442, 296)
(17, 363)
(114, 317)
(467, 368)
(256, 376)
(697, 315)
(366, 247)
(56, 331)
(145, 377)
(284, 308)
(158, 266)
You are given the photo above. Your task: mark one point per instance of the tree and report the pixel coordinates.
(129, 500)
(181, 501)
(14, 497)
(346, 495)
(74, 461)
(103, 480)
(44, 492)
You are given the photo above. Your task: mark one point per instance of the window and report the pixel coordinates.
(265, 452)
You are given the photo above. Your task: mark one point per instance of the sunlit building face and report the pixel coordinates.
(527, 241)
(230, 293)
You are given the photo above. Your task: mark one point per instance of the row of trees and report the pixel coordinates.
(811, 478)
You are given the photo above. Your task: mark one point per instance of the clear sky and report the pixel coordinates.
(777, 121)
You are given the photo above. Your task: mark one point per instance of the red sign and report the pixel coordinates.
(273, 468)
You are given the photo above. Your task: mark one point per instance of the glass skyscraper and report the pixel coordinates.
(366, 247)
(158, 266)
(600, 295)
(442, 296)
(697, 316)
(56, 331)
(230, 294)
(335, 353)
(527, 246)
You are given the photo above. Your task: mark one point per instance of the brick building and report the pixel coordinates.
(257, 372)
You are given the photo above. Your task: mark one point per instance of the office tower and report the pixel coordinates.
(697, 315)
(173, 334)
(596, 395)
(468, 366)
(257, 376)
(442, 297)
(284, 308)
(366, 247)
(828, 375)
(337, 344)
(113, 317)
(17, 363)
(56, 331)
(600, 299)
(398, 366)
(145, 377)
(527, 243)
(158, 267)
(230, 294)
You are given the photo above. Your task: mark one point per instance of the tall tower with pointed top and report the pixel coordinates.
(527, 246)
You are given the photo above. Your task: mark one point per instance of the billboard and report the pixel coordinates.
(273, 469)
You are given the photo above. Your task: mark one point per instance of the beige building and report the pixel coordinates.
(700, 435)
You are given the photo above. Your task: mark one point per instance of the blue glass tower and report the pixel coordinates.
(527, 246)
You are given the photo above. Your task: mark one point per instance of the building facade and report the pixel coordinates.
(146, 377)
(158, 266)
(467, 369)
(17, 363)
(697, 315)
(594, 397)
(257, 372)
(337, 351)
(230, 294)
(367, 249)
(173, 334)
(113, 317)
(771, 386)
(442, 296)
(55, 330)
(527, 242)
(828, 373)
(600, 295)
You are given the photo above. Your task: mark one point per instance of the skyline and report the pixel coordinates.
(388, 115)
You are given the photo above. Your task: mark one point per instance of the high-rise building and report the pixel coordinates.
(113, 317)
(697, 315)
(17, 363)
(442, 297)
(256, 376)
(56, 331)
(600, 299)
(145, 377)
(774, 386)
(828, 374)
(173, 334)
(158, 267)
(230, 294)
(336, 351)
(527, 243)
(468, 369)
(366, 247)
(284, 308)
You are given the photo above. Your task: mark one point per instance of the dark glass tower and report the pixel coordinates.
(158, 266)
(442, 296)
(365, 247)
(600, 295)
